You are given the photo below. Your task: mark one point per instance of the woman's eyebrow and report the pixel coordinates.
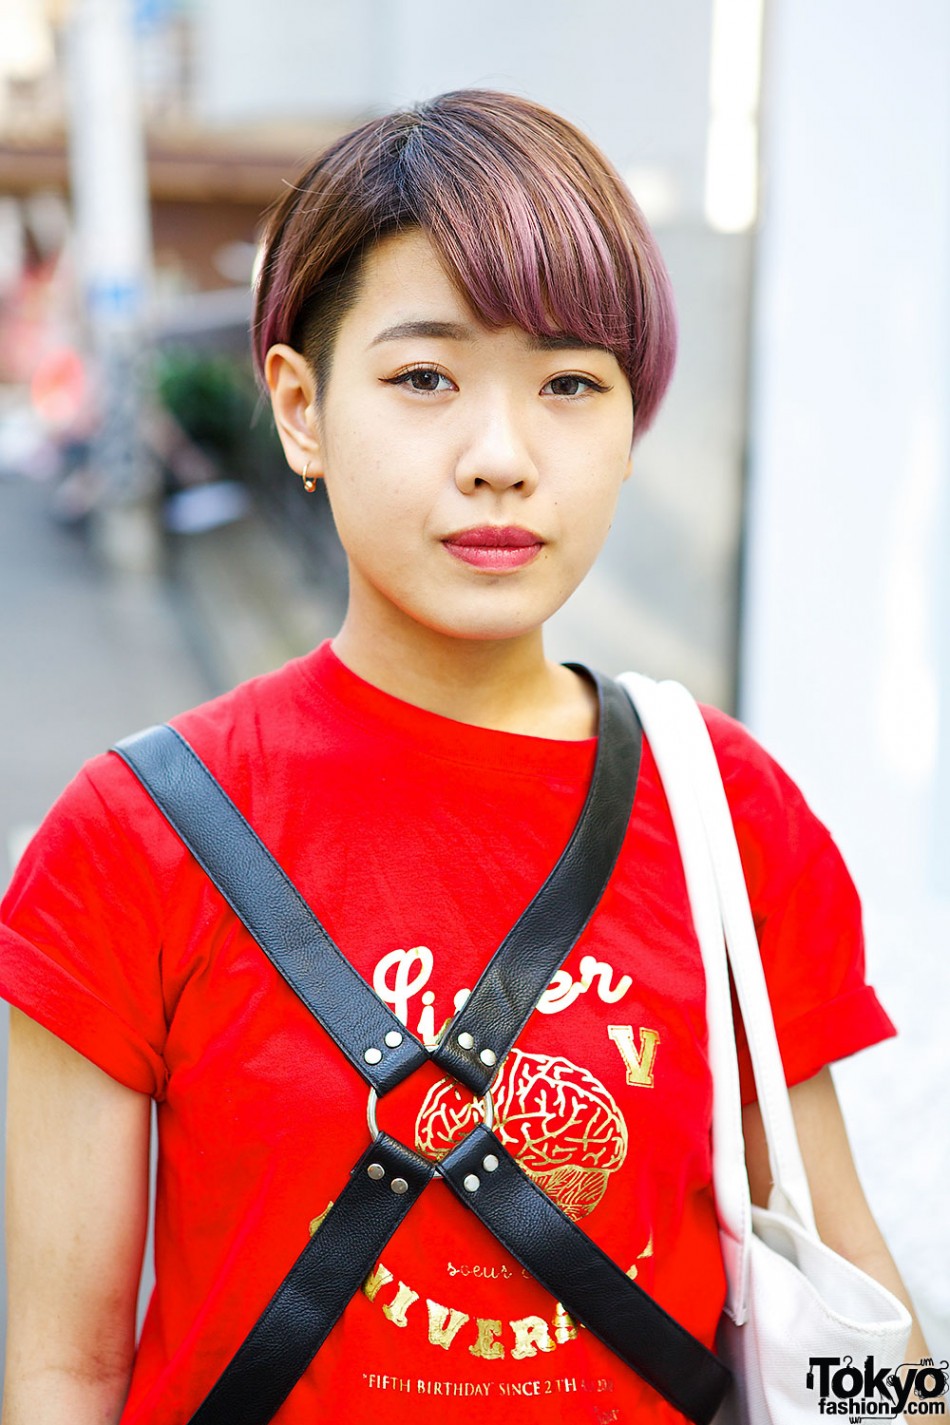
(564, 341)
(459, 331)
(450, 331)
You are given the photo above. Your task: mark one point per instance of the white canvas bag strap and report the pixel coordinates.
(719, 900)
(730, 1182)
(785, 1160)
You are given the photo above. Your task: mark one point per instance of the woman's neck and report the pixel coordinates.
(504, 684)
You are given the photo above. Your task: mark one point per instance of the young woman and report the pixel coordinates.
(463, 324)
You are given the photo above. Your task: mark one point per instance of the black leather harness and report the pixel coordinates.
(389, 1177)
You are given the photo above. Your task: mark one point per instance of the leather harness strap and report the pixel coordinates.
(389, 1177)
(544, 934)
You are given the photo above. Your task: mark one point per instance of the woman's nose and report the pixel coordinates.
(496, 454)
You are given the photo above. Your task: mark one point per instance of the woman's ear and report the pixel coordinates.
(293, 400)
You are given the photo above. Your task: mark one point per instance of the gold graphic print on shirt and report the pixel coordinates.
(566, 1130)
(485, 1337)
(555, 1117)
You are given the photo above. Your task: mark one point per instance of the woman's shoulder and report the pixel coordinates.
(780, 837)
(736, 745)
(268, 707)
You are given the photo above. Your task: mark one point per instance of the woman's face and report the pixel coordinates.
(472, 473)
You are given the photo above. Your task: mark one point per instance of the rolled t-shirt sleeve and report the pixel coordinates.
(807, 915)
(80, 932)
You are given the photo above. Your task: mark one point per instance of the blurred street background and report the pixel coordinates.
(782, 545)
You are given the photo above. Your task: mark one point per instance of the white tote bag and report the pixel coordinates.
(789, 1297)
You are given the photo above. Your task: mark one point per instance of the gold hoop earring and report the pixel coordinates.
(309, 481)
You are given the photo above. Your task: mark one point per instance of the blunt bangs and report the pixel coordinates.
(533, 225)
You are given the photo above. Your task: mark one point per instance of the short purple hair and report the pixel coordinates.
(533, 224)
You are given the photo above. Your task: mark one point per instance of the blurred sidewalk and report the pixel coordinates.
(86, 657)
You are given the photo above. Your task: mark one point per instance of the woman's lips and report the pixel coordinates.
(494, 546)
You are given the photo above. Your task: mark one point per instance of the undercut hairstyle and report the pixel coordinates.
(532, 223)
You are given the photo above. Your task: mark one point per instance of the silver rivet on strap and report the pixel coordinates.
(465, 1040)
(393, 1039)
(490, 1163)
(376, 1171)
(471, 1183)
(399, 1186)
(489, 1058)
(373, 1055)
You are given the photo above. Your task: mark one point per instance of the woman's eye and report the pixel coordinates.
(423, 379)
(572, 385)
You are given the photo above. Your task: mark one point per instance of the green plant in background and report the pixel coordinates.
(213, 399)
(216, 408)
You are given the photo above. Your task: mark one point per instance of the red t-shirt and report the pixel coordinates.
(418, 841)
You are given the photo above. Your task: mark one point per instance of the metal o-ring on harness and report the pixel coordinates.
(486, 1101)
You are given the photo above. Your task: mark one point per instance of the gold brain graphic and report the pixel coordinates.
(557, 1119)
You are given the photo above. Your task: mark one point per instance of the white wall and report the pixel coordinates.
(632, 73)
(635, 74)
(283, 59)
(846, 665)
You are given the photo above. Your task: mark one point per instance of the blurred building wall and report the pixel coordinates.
(284, 60)
(632, 73)
(635, 74)
(846, 649)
